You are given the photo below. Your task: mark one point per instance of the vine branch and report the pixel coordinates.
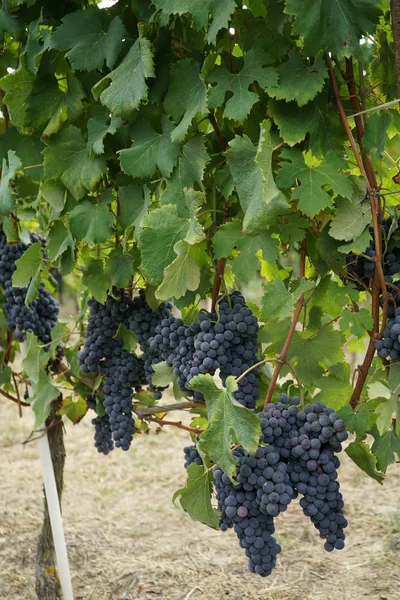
(177, 424)
(365, 167)
(154, 410)
(281, 358)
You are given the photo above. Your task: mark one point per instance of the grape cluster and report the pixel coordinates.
(41, 314)
(123, 373)
(143, 321)
(102, 326)
(297, 455)
(242, 510)
(191, 456)
(361, 269)
(102, 433)
(389, 345)
(225, 341)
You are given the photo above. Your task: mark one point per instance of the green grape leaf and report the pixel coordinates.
(74, 410)
(195, 497)
(334, 26)
(189, 171)
(67, 159)
(200, 11)
(385, 448)
(356, 421)
(162, 228)
(149, 151)
(34, 358)
(312, 355)
(230, 236)
(120, 267)
(299, 81)
(98, 128)
(59, 240)
(350, 220)
(91, 222)
(358, 245)
(28, 269)
(134, 202)
(251, 170)
(93, 278)
(334, 393)
(54, 193)
(24, 99)
(186, 96)
(359, 323)
(8, 173)
(43, 392)
(229, 423)
(163, 374)
(10, 24)
(277, 302)
(238, 106)
(310, 195)
(181, 275)
(318, 118)
(125, 87)
(360, 453)
(28, 149)
(376, 131)
(89, 38)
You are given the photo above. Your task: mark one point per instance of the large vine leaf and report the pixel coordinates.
(230, 236)
(251, 170)
(385, 447)
(336, 25)
(91, 222)
(125, 87)
(150, 150)
(195, 497)
(229, 423)
(89, 38)
(310, 195)
(162, 228)
(134, 201)
(189, 171)
(312, 355)
(238, 106)
(299, 81)
(186, 96)
(361, 454)
(67, 159)
(200, 11)
(181, 275)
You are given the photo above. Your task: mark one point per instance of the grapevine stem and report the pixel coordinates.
(177, 424)
(154, 410)
(281, 358)
(7, 395)
(378, 282)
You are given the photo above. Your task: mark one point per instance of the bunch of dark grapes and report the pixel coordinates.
(361, 269)
(242, 510)
(41, 314)
(389, 346)
(143, 321)
(102, 327)
(123, 373)
(102, 431)
(226, 341)
(297, 456)
(191, 456)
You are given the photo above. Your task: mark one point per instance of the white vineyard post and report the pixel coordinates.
(53, 505)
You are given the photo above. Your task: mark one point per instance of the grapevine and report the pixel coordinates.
(211, 192)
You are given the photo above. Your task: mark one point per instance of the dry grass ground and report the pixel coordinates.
(127, 541)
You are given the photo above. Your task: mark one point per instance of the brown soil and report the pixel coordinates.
(127, 541)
